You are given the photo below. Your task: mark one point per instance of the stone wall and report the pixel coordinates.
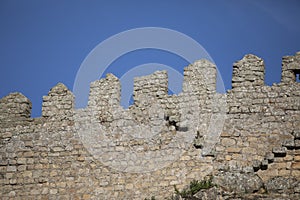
(247, 139)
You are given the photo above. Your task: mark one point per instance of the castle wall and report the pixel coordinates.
(290, 67)
(250, 71)
(148, 88)
(14, 108)
(107, 152)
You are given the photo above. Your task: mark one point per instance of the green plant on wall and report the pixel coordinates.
(194, 187)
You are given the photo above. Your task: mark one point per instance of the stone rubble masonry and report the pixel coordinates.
(59, 103)
(250, 71)
(258, 148)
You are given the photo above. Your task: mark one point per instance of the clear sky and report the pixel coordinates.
(45, 42)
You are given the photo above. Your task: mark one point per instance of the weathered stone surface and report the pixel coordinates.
(238, 182)
(281, 185)
(297, 144)
(207, 194)
(59, 103)
(15, 108)
(90, 153)
(279, 151)
(289, 143)
(296, 165)
(296, 134)
(256, 165)
(228, 142)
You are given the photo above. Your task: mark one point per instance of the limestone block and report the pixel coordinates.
(279, 151)
(280, 184)
(296, 165)
(228, 142)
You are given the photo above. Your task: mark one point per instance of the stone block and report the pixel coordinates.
(281, 165)
(227, 157)
(256, 165)
(175, 182)
(233, 150)
(288, 158)
(297, 143)
(296, 173)
(13, 181)
(279, 151)
(86, 196)
(289, 144)
(297, 158)
(21, 161)
(228, 142)
(284, 172)
(296, 134)
(35, 192)
(296, 165)
(53, 191)
(11, 168)
(28, 154)
(270, 157)
(27, 174)
(264, 164)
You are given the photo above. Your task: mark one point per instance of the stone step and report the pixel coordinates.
(257, 165)
(297, 143)
(270, 157)
(264, 164)
(279, 151)
(296, 134)
(291, 144)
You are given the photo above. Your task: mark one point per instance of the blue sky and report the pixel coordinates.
(45, 42)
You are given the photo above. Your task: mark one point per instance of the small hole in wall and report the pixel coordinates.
(297, 75)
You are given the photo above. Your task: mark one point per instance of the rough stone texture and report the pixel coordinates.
(290, 67)
(14, 109)
(59, 103)
(249, 71)
(281, 185)
(211, 193)
(239, 183)
(107, 152)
